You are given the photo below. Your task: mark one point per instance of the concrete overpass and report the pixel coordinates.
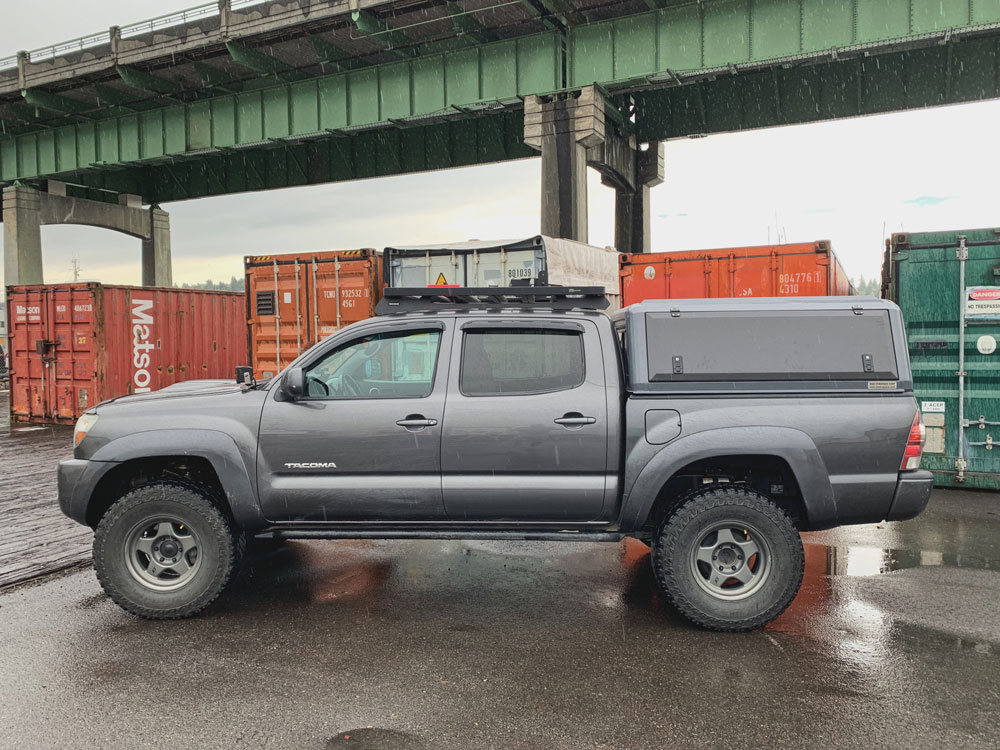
(244, 95)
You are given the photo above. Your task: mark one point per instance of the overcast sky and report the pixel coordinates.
(852, 182)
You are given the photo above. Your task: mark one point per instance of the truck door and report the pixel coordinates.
(526, 423)
(364, 443)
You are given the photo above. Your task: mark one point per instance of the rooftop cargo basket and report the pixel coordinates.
(421, 299)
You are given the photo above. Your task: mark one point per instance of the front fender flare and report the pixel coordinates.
(794, 446)
(218, 448)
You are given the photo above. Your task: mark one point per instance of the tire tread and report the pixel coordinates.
(199, 500)
(697, 502)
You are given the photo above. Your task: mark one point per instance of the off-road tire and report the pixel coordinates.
(674, 543)
(220, 549)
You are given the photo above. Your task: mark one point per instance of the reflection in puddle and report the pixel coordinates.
(865, 639)
(834, 606)
(376, 739)
(873, 561)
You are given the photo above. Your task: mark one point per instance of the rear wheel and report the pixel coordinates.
(164, 551)
(728, 558)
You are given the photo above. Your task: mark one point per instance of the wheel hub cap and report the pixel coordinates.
(730, 560)
(162, 553)
(169, 547)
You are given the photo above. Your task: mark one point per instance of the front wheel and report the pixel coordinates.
(164, 551)
(728, 558)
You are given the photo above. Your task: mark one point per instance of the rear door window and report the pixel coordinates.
(520, 361)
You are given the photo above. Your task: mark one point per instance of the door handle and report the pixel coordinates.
(574, 419)
(416, 421)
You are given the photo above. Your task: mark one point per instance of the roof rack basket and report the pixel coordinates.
(428, 299)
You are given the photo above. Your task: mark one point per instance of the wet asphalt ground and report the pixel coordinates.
(894, 641)
(35, 539)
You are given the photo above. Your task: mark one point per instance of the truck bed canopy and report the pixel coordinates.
(810, 343)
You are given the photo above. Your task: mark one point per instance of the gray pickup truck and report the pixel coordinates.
(714, 430)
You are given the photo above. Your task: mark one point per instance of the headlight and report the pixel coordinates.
(83, 425)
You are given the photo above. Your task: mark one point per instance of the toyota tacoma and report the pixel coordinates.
(714, 430)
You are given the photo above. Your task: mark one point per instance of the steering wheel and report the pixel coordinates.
(350, 385)
(311, 381)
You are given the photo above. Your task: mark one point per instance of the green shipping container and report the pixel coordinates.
(948, 286)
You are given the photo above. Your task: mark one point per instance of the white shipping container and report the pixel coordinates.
(535, 261)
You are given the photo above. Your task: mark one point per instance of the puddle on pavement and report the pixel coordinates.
(375, 739)
(873, 561)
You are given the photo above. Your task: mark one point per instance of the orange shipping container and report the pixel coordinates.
(75, 345)
(808, 269)
(295, 300)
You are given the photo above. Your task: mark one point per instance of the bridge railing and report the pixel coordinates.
(73, 45)
(170, 19)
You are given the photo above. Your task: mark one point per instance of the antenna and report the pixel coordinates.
(76, 268)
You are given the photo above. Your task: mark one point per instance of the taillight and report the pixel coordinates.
(914, 445)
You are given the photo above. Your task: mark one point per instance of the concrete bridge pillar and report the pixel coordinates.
(577, 130)
(22, 236)
(563, 128)
(156, 262)
(26, 210)
(632, 203)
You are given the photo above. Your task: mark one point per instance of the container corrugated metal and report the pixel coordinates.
(295, 300)
(922, 273)
(808, 269)
(537, 260)
(75, 345)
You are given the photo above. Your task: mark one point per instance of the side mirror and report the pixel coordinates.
(244, 376)
(293, 383)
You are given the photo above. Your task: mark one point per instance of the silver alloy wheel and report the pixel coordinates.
(162, 553)
(730, 560)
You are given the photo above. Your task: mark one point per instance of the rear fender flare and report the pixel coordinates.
(794, 446)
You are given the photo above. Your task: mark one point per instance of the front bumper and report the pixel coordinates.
(77, 479)
(913, 492)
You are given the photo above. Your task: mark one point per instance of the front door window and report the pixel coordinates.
(383, 365)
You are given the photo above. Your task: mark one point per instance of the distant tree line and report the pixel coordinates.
(233, 285)
(871, 287)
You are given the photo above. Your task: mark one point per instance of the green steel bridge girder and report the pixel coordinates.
(443, 84)
(375, 153)
(143, 81)
(382, 34)
(54, 102)
(705, 67)
(260, 61)
(964, 71)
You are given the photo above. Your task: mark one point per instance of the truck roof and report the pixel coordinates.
(736, 304)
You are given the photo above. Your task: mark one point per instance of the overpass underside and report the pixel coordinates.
(252, 95)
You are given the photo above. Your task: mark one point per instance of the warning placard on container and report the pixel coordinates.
(982, 302)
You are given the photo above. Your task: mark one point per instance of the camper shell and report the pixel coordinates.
(767, 344)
